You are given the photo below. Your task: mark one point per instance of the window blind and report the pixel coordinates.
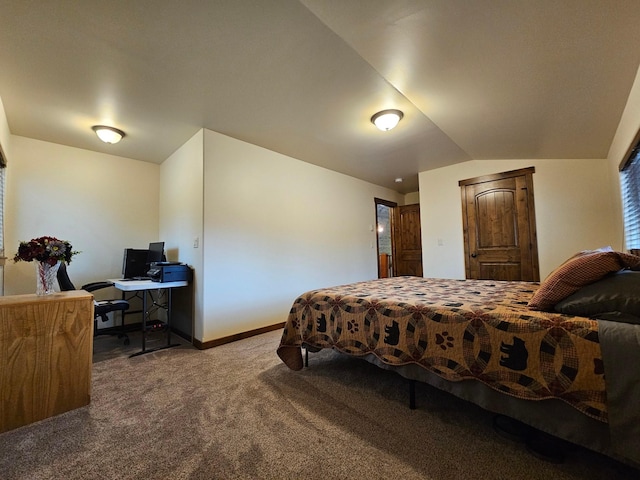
(630, 181)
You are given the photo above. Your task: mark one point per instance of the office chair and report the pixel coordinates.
(101, 307)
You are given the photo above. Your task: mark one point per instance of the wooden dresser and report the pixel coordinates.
(46, 348)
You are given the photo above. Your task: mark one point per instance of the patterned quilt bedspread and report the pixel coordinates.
(460, 330)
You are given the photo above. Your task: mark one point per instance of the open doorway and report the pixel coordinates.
(398, 239)
(384, 228)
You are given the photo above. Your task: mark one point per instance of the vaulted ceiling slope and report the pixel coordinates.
(476, 79)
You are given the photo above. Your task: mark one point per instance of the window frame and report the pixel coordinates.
(630, 195)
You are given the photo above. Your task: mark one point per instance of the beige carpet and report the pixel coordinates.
(236, 411)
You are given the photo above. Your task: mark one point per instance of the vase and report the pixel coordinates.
(46, 276)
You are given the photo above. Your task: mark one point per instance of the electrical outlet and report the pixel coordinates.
(196, 242)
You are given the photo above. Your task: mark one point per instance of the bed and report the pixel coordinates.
(562, 356)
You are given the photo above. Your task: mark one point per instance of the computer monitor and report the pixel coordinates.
(134, 263)
(156, 252)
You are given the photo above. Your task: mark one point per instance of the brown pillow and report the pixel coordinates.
(577, 272)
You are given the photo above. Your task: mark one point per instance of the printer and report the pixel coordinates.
(169, 272)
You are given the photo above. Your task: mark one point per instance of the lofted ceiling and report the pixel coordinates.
(476, 79)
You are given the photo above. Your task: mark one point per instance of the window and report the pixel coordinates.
(630, 181)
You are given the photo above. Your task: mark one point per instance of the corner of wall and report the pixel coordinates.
(181, 219)
(5, 134)
(411, 198)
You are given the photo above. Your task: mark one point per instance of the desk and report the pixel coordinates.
(146, 288)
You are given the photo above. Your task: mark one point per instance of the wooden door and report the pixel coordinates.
(407, 241)
(499, 226)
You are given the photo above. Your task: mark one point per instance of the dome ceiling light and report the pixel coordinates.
(108, 134)
(387, 119)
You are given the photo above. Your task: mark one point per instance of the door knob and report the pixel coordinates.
(474, 255)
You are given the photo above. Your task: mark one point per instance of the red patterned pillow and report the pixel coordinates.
(577, 272)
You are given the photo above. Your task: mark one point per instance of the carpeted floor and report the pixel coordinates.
(107, 347)
(237, 412)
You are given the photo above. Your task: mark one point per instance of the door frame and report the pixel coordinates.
(392, 206)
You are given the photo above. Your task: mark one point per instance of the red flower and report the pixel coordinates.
(45, 249)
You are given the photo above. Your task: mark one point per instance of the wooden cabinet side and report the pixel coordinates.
(46, 348)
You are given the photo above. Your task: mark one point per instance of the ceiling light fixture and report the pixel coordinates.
(387, 119)
(108, 134)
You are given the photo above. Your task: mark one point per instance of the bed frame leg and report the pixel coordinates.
(412, 394)
(306, 357)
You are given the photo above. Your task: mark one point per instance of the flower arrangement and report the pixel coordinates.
(45, 249)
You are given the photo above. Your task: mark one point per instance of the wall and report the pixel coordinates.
(181, 204)
(5, 135)
(100, 203)
(411, 198)
(275, 227)
(574, 202)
